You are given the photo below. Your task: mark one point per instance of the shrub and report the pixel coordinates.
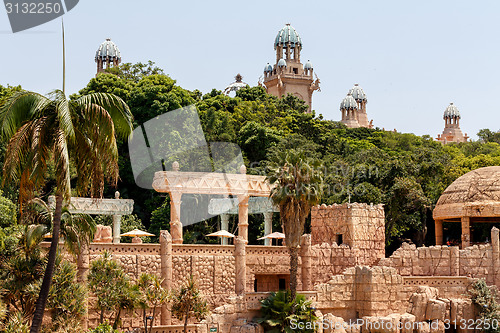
(279, 313)
(485, 300)
(103, 328)
(112, 287)
(188, 302)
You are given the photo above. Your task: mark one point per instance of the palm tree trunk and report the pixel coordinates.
(49, 271)
(152, 320)
(294, 267)
(186, 323)
(117, 318)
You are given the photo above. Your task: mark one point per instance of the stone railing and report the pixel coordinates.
(186, 249)
(262, 250)
(449, 286)
(125, 248)
(202, 249)
(436, 281)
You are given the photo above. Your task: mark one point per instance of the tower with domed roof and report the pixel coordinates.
(107, 55)
(288, 75)
(349, 109)
(452, 131)
(353, 108)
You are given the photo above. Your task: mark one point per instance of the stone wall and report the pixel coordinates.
(476, 261)
(377, 291)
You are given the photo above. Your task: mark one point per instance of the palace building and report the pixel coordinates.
(288, 75)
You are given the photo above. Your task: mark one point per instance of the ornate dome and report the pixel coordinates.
(308, 65)
(236, 85)
(108, 50)
(451, 112)
(287, 35)
(477, 193)
(282, 63)
(358, 93)
(268, 68)
(348, 103)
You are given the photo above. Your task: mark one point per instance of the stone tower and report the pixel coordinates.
(452, 131)
(107, 55)
(358, 225)
(353, 109)
(288, 75)
(349, 109)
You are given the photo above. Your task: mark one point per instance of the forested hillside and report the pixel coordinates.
(405, 172)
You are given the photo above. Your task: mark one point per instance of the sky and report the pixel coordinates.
(412, 58)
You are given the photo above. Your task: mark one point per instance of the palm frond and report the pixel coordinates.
(117, 109)
(64, 114)
(19, 108)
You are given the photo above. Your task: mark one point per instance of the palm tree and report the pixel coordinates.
(76, 229)
(188, 302)
(297, 186)
(47, 133)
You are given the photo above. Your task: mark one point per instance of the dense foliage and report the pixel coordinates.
(405, 172)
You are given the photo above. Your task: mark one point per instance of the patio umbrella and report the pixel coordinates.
(274, 235)
(136, 233)
(221, 233)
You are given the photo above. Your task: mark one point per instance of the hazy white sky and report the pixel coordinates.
(411, 58)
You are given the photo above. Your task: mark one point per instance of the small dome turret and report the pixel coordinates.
(236, 85)
(108, 51)
(348, 103)
(282, 63)
(451, 112)
(287, 35)
(268, 68)
(308, 65)
(358, 94)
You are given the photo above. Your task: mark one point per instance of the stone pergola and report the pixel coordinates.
(241, 186)
(115, 207)
(471, 198)
(256, 205)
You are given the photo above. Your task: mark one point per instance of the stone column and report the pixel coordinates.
(268, 226)
(438, 231)
(240, 265)
(224, 225)
(83, 260)
(116, 228)
(495, 246)
(305, 255)
(175, 217)
(166, 272)
(243, 216)
(454, 261)
(465, 231)
(116, 223)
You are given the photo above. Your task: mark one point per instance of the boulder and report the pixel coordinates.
(333, 324)
(436, 310)
(419, 300)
